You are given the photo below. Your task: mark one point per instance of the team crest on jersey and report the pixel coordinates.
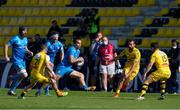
(38, 56)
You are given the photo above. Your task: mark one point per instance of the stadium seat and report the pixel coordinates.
(145, 3)
(27, 11)
(164, 43)
(160, 32)
(103, 22)
(172, 22)
(85, 41)
(68, 40)
(146, 42)
(1, 52)
(35, 12)
(121, 41)
(4, 21)
(2, 41)
(136, 31)
(147, 21)
(106, 31)
(163, 12)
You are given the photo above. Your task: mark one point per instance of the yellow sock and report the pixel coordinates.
(163, 87)
(144, 89)
(118, 91)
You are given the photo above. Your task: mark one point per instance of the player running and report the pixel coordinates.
(160, 59)
(19, 48)
(131, 67)
(53, 46)
(38, 64)
(65, 67)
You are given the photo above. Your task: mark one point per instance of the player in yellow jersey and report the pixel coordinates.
(160, 59)
(39, 64)
(131, 67)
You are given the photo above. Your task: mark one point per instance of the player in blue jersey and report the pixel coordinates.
(53, 46)
(65, 67)
(19, 48)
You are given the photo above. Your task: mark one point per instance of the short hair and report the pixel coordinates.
(75, 39)
(22, 28)
(37, 35)
(155, 45)
(131, 40)
(174, 40)
(54, 21)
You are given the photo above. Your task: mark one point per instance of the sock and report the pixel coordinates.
(117, 91)
(23, 93)
(144, 89)
(16, 82)
(16, 77)
(47, 89)
(84, 87)
(40, 90)
(163, 87)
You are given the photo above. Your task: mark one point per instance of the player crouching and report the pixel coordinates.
(38, 64)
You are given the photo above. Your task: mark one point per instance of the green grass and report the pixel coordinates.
(88, 100)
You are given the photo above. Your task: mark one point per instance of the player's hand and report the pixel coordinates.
(126, 75)
(80, 59)
(7, 59)
(31, 53)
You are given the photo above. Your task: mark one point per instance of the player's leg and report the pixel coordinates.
(110, 75)
(121, 82)
(145, 85)
(27, 89)
(104, 81)
(103, 71)
(17, 79)
(55, 87)
(80, 76)
(129, 79)
(46, 88)
(162, 88)
(164, 75)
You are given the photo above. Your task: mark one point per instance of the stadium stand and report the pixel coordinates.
(119, 19)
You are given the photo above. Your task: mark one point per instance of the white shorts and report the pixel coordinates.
(108, 69)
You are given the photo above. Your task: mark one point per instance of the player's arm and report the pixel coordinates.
(28, 51)
(75, 60)
(61, 50)
(72, 59)
(6, 47)
(6, 52)
(121, 54)
(149, 66)
(49, 67)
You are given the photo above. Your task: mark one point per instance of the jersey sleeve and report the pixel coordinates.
(153, 57)
(61, 49)
(71, 52)
(137, 56)
(12, 41)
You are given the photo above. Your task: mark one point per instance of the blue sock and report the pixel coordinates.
(14, 85)
(40, 90)
(84, 87)
(47, 89)
(16, 77)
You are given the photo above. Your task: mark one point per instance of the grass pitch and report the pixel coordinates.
(87, 100)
